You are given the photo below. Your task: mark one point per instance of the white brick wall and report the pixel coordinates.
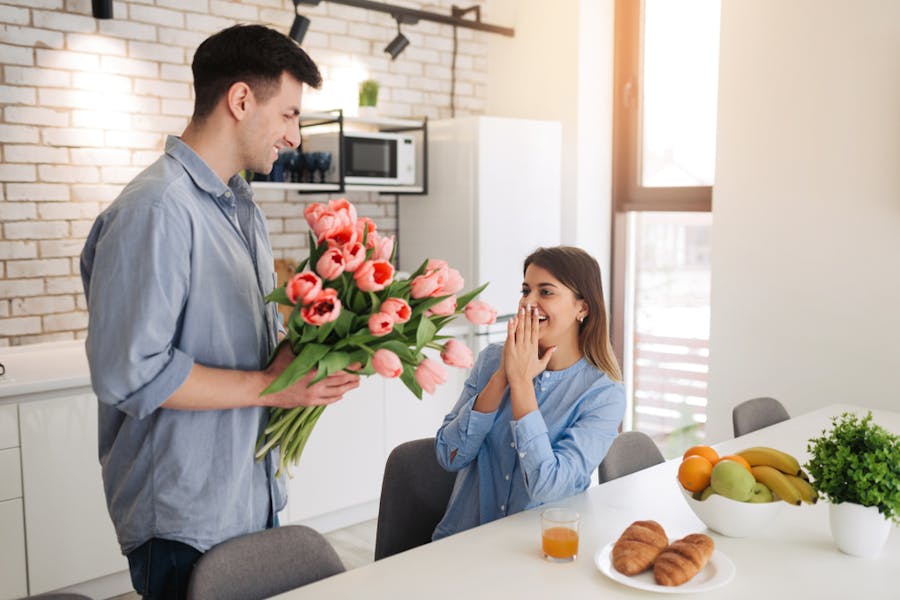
(85, 105)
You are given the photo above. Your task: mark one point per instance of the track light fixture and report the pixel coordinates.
(398, 44)
(102, 9)
(300, 24)
(298, 28)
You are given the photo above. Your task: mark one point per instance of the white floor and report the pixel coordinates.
(355, 545)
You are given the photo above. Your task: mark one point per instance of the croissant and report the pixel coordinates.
(683, 559)
(638, 546)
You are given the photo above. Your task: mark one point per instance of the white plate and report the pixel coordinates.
(717, 572)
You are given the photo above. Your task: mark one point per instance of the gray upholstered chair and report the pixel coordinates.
(631, 451)
(757, 413)
(263, 564)
(414, 495)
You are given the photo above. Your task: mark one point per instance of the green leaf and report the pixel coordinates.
(424, 333)
(343, 323)
(309, 332)
(324, 330)
(299, 367)
(408, 377)
(420, 270)
(461, 301)
(424, 304)
(330, 363)
(279, 295)
(403, 351)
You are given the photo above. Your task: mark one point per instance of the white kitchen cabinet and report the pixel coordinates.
(13, 582)
(70, 537)
(343, 461)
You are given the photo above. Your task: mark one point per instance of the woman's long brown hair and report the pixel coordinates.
(578, 271)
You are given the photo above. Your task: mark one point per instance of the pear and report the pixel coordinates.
(760, 492)
(732, 480)
(706, 493)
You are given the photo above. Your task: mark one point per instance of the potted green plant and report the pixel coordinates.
(856, 466)
(368, 97)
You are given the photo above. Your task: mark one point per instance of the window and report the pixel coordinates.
(664, 157)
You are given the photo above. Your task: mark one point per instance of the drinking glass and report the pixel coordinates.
(324, 164)
(559, 534)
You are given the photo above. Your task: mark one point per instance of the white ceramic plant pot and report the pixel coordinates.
(858, 530)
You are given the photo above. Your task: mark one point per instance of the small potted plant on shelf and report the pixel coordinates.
(368, 97)
(856, 466)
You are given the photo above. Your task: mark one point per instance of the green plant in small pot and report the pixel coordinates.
(368, 97)
(856, 466)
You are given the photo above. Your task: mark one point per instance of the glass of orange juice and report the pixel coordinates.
(559, 534)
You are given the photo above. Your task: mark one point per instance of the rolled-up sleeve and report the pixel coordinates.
(136, 278)
(559, 470)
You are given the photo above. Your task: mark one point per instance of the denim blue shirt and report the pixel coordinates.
(507, 466)
(175, 272)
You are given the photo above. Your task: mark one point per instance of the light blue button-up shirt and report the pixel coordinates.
(175, 272)
(506, 466)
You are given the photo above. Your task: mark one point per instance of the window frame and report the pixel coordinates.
(628, 193)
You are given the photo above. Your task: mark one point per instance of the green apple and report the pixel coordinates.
(760, 492)
(732, 480)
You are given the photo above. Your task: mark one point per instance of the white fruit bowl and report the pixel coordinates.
(730, 517)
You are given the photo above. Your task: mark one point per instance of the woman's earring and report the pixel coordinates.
(581, 319)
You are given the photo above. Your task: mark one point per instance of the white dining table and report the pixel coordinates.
(793, 557)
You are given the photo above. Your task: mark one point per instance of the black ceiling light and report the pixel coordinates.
(102, 9)
(400, 41)
(298, 28)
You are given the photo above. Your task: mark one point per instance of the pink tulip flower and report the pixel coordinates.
(382, 247)
(430, 374)
(374, 275)
(312, 213)
(386, 363)
(354, 256)
(425, 285)
(381, 324)
(397, 308)
(303, 287)
(324, 309)
(443, 308)
(457, 354)
(364, 224)
(331, 264)
(480, 313)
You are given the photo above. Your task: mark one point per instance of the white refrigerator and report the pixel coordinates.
(494, 188)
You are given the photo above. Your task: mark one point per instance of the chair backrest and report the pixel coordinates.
(263, 564)
(631, 451)
(414, 496)
(757, 413)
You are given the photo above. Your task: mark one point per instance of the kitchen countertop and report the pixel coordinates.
(39, 368)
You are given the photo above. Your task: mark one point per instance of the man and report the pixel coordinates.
(175, 273)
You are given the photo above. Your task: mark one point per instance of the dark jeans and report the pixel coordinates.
(161, 569)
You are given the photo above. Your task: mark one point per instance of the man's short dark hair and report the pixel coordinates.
(254, 54)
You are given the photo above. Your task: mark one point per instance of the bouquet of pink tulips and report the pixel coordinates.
(349, 309)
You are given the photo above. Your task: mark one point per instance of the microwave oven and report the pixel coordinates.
(370, 158)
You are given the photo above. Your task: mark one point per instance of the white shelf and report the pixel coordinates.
(377, 121)
(333, 187)
(300, 187)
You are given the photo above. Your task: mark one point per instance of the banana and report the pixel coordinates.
(770, 457)
(807, 492)
(777, 482)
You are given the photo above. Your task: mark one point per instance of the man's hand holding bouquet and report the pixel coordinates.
(349, 311)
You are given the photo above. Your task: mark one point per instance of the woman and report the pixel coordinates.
(538, 413)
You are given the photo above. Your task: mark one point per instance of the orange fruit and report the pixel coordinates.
(738, 459)
(694, 473)
(705, 451)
